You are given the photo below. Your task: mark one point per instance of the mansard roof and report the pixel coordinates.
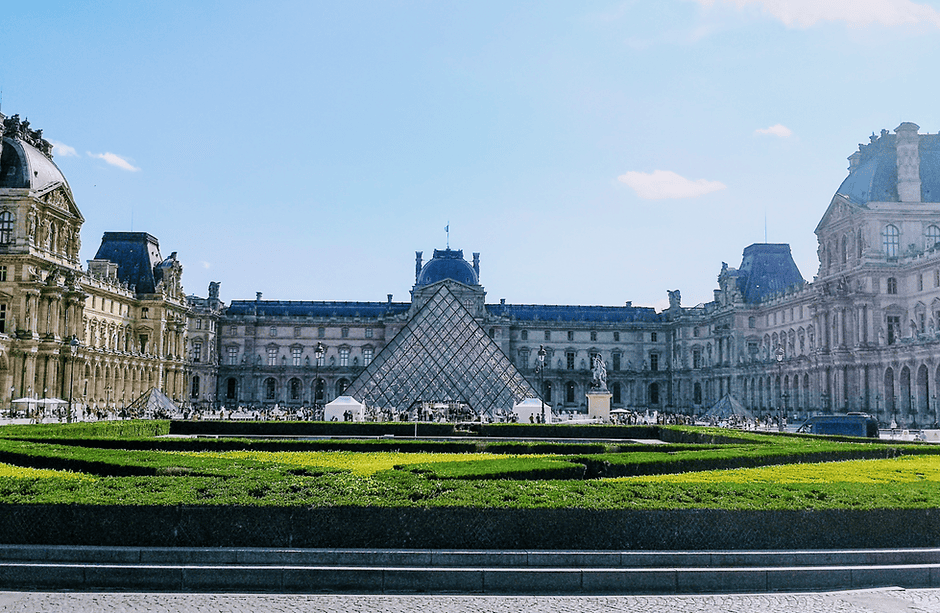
(321, 309)
(574, 314)
(873, 173)
(767, 269)
(137, 255)
(26, 159)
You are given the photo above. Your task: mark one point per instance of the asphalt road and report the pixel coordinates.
(888, 600)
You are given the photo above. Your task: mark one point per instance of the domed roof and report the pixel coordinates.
(447, 264)
(23, 166)
(873, 174)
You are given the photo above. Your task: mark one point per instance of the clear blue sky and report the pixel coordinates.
(594, 152)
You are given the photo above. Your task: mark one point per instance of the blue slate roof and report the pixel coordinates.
(137, 255)
(875, 178)
(767, 269)
(447, 264)
(306, 308)
(563, 313)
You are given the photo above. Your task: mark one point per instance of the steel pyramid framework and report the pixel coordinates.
(441, 355)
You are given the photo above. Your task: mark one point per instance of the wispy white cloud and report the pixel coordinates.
(63, 150)
(115, 160)
(662, 184)
(807, 13)
(775, 130)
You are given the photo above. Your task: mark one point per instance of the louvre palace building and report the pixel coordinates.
(862, 336)
(100, 335)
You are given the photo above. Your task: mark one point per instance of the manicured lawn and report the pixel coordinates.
(708, 469)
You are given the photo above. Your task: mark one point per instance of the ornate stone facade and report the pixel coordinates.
(100, 336)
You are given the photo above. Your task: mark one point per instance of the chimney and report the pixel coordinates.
(502, 302)
(258, 296)
(418, 255)
(390, 299)
(908, 162)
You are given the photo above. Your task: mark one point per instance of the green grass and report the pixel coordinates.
(705, 468)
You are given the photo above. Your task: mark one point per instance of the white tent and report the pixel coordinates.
(531, 407)
(338, 407)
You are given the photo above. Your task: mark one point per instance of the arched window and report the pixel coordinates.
(892, 241)
(697, 393)
(197, 351)
(318, 390)
(932, 237)
(6, 227)
(569, 392)
(341, 386)
(295, 388)
(270, 389)
(231, 389)
(616, 393)
(654, 393)
(194, 392)
(547, 391)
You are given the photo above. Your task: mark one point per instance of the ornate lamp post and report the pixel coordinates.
(316, 384)
(779, 355)
(73, 345)
(541, 372)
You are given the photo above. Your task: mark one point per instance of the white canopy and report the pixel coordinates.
(531, 407)
(338, 407)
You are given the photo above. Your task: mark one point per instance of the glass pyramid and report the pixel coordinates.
(441, 355)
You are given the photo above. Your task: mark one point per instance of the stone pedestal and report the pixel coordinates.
(598, 404)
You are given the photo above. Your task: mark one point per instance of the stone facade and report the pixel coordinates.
(101, 336)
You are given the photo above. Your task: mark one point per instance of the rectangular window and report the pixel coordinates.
(367, 355)
(548, 335)
(233, 330)
(197, 352)
(922, 320)
(344, 332)
(616, 361)
(273, 331)
(232, 356)
(295, 355)
(3, 319)
(617, 337)
(144, 313)
(570, 335)
(368, 332)
(3, 273)
(653, 337)
(297, 332)
(920, 283)
(344, 357)
(894, 328)
(593, 335)
(321, 332)
(936, 278)
(199, 324)
(654, 361)
(524, 335)
(696, 358)
(569, 357)
(272, 356)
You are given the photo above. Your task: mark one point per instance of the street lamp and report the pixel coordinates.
(316, 384)
(541, 372)
(779, 355)
(12, 392)
(73, 345)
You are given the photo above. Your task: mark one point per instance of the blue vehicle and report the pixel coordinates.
(852, 424)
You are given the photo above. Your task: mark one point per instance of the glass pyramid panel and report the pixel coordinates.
(441, 355)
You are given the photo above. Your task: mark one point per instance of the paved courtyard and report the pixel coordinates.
(889, 600)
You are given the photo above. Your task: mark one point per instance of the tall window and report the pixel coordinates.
(272, 356)
(6, 227)
(654, 361)
(295, 355)
(199, 324)
(368, 332)
(3, 319)
(295, 388)
(197, 352)
(297, 332)
(570, 335)
(344, 357)
(616, 359)
(569, 392)
(617, 336)
(548, 335)
(617, 395)
(892, 238)
(232, 356)
(932, 236)
(270, 389)
(569, 358)
(344, 332)
(273, 331)
(194, 391)
(593, 335)
(894, 328)
(653, 337)
(696, 358)
(654, 393)
(233, 330)
(367, 354)
(3, 273)
(524, 335)
(892, 285)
